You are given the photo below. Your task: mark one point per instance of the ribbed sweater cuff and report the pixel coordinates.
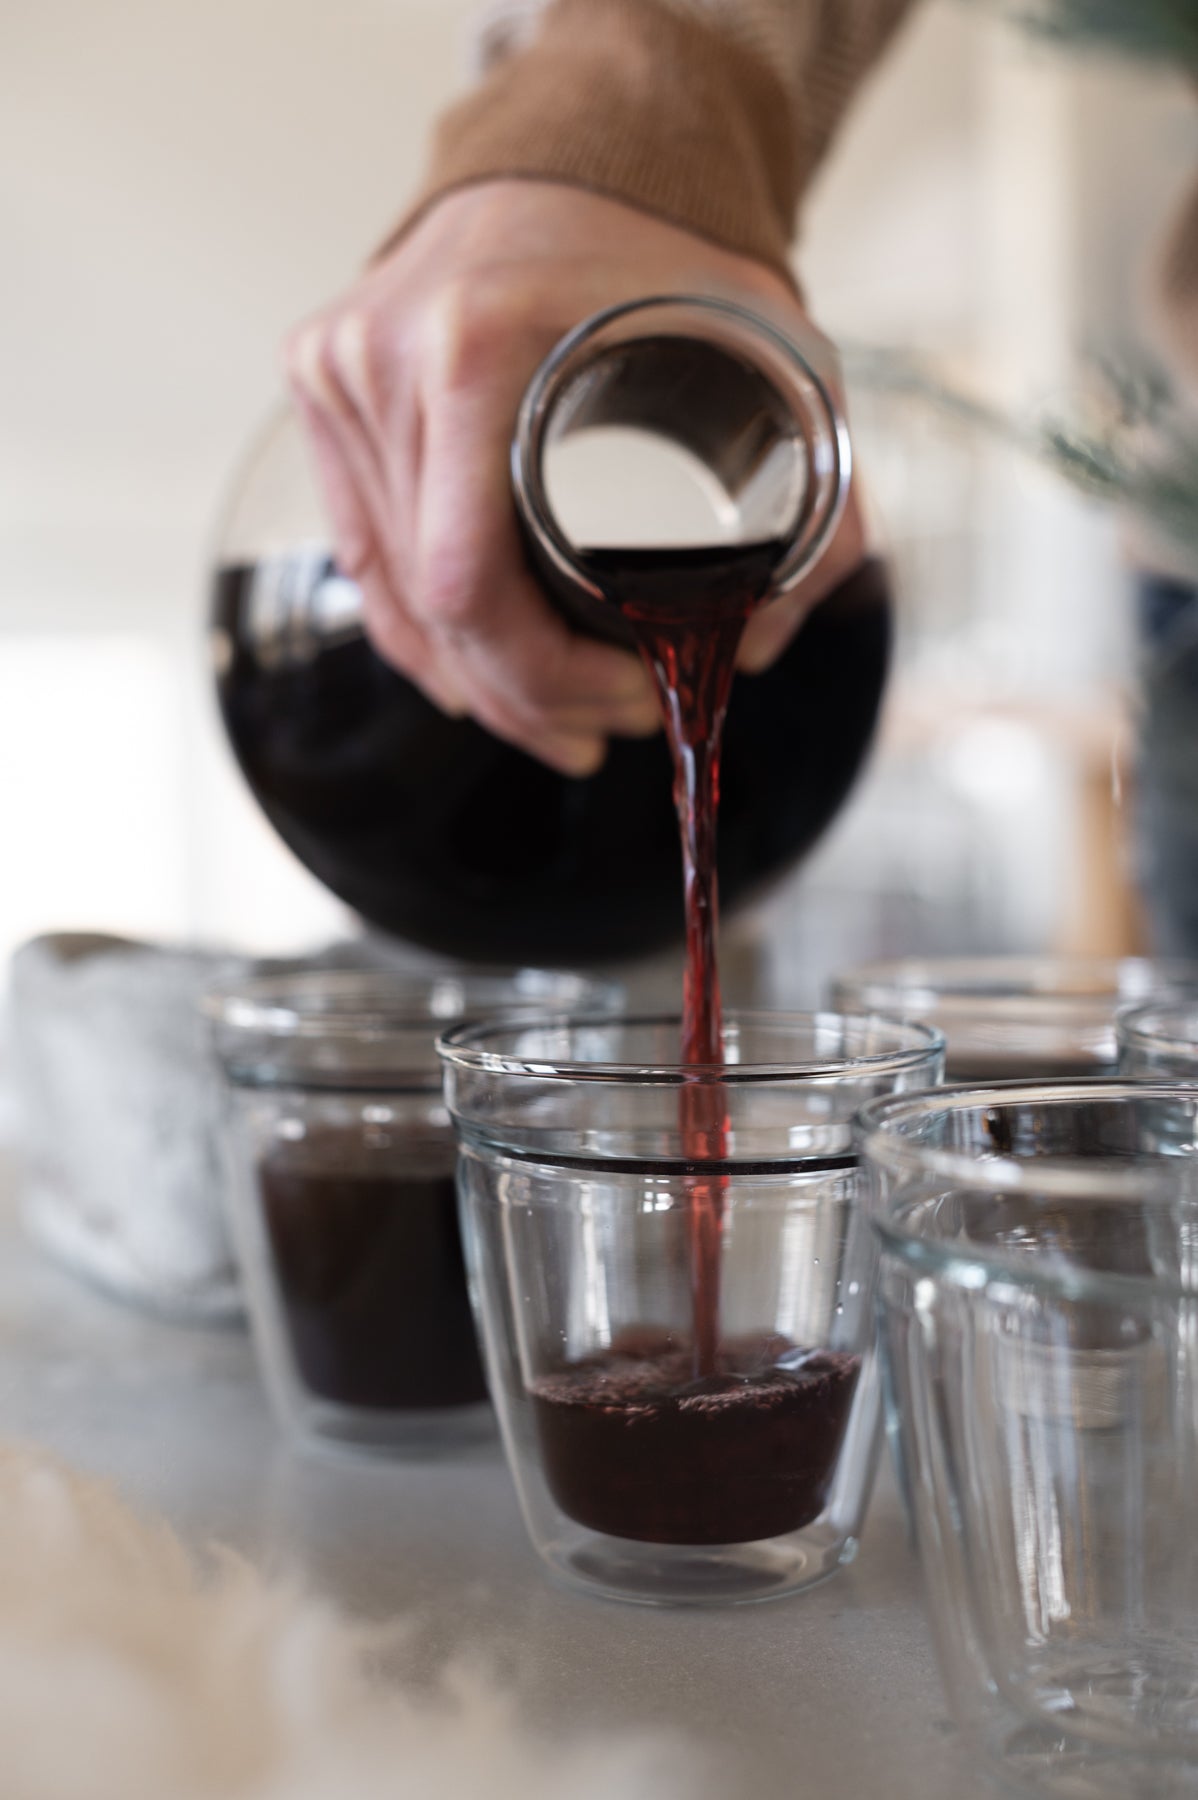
(634, 101)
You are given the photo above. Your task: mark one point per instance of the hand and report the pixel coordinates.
(409, 386)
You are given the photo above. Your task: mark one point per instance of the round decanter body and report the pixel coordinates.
(445, 836)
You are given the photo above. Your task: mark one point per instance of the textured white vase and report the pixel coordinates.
(118, 1119)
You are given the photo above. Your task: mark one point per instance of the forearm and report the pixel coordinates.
(713, 114)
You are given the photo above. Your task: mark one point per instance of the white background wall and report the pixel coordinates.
(181, 179)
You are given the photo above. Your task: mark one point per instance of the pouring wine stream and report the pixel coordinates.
(687, 609)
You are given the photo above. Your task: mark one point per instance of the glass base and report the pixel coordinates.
(367, 1431)
(1117, 1725)
(698, 1575)
(1035, 1760)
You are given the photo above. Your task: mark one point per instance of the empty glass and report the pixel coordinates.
(1039, 1303)
(1159, 1041)
(674, 1281)
(1012, 1017)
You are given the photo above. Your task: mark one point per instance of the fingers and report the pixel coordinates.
(474, 597)
(361, 506)
(379, 409)
(772, 626)
(402, 644)
(423, 520)
(315, 393)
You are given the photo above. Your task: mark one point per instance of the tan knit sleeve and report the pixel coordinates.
(711, 113)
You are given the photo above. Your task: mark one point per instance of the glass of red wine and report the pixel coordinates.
(678, 1335)
(340, 1163)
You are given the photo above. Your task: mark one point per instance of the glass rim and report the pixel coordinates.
(1061, 1177)
(965, 984)
(1134, 1032)
(612, 326)
(370, 1003)
(463, 1049)
(1148, 1181)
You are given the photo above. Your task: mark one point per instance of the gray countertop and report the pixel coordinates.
(833, 1692)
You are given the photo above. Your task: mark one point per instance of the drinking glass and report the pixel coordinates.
(1159, 1041)
(1039, 1306)
(674, 1281)
(340, 1175)
(1012, 1017)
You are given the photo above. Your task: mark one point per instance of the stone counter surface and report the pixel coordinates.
(834, 1693)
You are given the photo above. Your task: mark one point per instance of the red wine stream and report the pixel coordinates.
(687, 610)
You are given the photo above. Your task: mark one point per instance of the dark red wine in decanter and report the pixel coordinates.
(445, 836)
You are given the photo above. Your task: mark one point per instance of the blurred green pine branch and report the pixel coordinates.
(1126, 443)
(1157, 31)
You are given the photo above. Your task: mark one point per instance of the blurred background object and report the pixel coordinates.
(121, 1111)
(180, 184)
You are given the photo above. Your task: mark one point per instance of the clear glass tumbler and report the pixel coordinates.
(674, 1281)
(1159, 1042)
(1012, 1017)
(340, 1175)
(1039, 1304)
